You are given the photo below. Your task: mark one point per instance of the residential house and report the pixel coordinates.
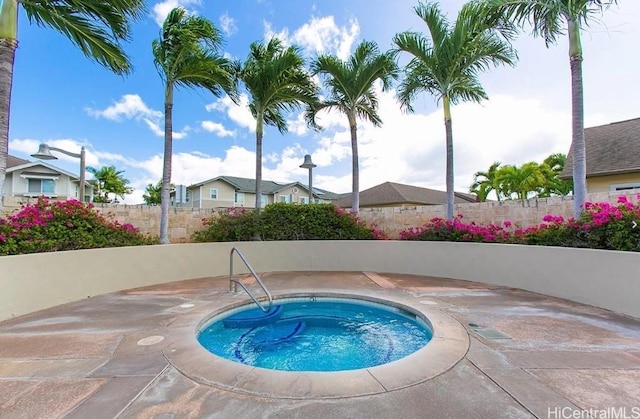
(32, 179)
(230, 192)
(390, 194)
(613, 157)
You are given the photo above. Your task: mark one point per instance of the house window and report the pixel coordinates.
(304, 199)
(264, 200)
(286, 198)
(625, 186)
(213, 193)
(43, 186)
(239, 199)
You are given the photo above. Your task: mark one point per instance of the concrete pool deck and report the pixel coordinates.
(114, 355)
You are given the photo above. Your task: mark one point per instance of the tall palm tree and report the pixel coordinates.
(448, 62)
(96, 27)
(485, 182)
(551, 18)
(277, 82)
(351, 90)
(187, 55)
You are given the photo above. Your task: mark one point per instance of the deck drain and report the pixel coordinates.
(487, 332)
(150, 340)
(490, 333)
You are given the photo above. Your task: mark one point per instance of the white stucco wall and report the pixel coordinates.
(606, 279)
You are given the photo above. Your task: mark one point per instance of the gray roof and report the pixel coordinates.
(390, 193)
(268, 187)
(610, 149)
(15, 161)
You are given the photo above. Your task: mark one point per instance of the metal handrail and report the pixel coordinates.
(234, 282)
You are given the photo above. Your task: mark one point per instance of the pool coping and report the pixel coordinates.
(449, 344)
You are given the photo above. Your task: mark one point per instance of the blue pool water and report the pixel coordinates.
(316, 334)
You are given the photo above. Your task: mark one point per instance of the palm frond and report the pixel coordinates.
(96, 27)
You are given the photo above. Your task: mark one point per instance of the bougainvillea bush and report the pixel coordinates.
(600, 226)
(47, 226)
(286, 222)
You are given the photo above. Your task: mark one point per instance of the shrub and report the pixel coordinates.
(286, 222)
(600, 226)
(64, 225)
(235, 224)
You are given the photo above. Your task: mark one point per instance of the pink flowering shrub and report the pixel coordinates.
(63, 225)
(600, 226)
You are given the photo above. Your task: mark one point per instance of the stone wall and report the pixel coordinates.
(183, 221)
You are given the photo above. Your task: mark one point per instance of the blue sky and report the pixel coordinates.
(62, 98)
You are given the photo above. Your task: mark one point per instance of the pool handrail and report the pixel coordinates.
(234, 282)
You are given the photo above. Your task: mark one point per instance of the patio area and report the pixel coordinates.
(116, 355)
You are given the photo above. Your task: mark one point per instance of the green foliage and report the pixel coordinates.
(523, 182)
(286, 222)
(153, 193)
(109, 181)
(235, 224)
(69, 225)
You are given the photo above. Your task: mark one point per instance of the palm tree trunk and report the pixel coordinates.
(355, 171)
(577, 120)
(8, 44)
(166, 168)
(259, 135)
(449, 138)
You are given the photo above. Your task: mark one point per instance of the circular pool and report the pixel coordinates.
(316, 334)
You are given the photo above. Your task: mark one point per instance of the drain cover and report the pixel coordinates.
(490, 333)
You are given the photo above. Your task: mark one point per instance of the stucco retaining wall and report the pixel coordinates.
(606, 279)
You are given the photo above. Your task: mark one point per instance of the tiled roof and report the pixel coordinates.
(610, 149)
(390, 193)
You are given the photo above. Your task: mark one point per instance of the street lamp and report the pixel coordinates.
(308, 164)
(44, 153)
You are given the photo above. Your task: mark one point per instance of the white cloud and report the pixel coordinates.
(130, 106)
(162, 9)
(238, 113)
(217, 128)
(228, 24)
(320, 36)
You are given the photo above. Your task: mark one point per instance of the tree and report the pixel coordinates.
(551, 18)
(277, 82)
(187, 54)
(96, 27)
(109, 180)
(152, 193)
(520, 181)
(448, 63)
(485, 182)
(351, 90)
(552, 168)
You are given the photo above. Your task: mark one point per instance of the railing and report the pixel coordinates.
(234, 282)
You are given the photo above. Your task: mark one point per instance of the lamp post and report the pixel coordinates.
(308, 164)
(44, 153)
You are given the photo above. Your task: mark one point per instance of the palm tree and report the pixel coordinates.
(521, 181)
(447, 63)
(351, 89)
(552, 168)
(485, 182)
(186, 54)
(277, 82)
(96, 27)
(109, 180)
(551, 18)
